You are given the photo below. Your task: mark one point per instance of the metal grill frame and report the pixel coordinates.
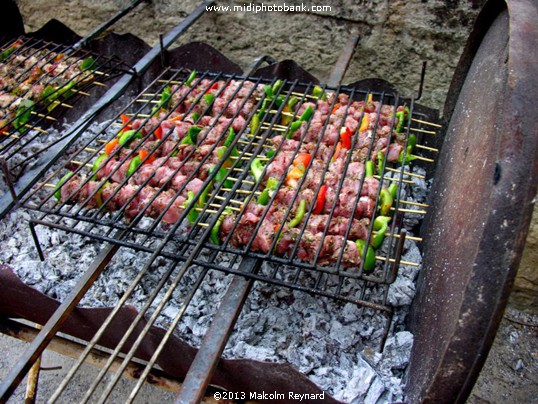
(104, 68)
(156, 241)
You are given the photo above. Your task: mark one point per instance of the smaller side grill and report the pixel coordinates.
(39, 82)
(201, 164)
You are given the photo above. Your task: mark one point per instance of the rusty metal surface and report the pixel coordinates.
(176, 357)
(340, 68)
(482, 202)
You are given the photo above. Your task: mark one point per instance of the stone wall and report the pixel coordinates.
(397, 36)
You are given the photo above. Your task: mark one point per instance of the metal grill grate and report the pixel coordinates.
(39, 82)
(171, 180)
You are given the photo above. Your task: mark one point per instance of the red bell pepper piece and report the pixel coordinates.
(124, 120)
(320, 200)
(215, 86)
(345, 137)
(143, 154)
(158, 133)
(302, 158)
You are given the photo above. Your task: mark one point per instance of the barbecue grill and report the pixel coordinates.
(180, 250)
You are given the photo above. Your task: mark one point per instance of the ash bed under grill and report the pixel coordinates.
(184, 260)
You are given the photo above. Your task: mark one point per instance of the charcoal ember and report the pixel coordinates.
(397, 350)
(359, 383)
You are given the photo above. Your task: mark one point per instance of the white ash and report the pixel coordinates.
(333, 343)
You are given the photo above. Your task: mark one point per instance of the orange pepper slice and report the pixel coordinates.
(143, 154)
(335, 108)
(109, 148)
(365, 123)
(124, 120)
(302, 158)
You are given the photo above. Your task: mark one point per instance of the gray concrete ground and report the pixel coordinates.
(509, 375)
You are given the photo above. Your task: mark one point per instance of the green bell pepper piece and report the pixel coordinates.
(7, 53)
(97, 164)
(268, 91)
(203, 197)
(215, 239)
(380, 162)
(307, 114)
(293, 127)
(270, 153)
(254, 123)
(369, 169)
(402, 116)
(230, 138)
(385, 202)
(192, 216)
(369, 259)
(279, 100)
(221, 176)
(277, 86)
(192, 135)
(267, 193)
(257, 167)
(128, 136)
(318, 92)
(299, 214)
(24, 112)
(393, 189)
(208, 98)
(380, 229)
(87, 63)
(63, 180)
(191, 78)
(133, 165)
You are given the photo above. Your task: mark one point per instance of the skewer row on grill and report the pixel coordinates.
(324, 197)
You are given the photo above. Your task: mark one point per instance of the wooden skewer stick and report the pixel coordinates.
(37, 129)
(89, 149)
(275, 125)
(62, 104)
(139, 115)
(394, 170)
(50, 118)
(418, 212)
(248, 182)
(80, 163)
(429, 132)
(98, 83)
(147, 101)
(433, 149)
(274, 111)
(413, 264)
(214, 205)
(423, 158)
(101, 73)
(80, 92)
(202, 224)
(222, 198)
(407, 237)
(427, 123)
(422, 205)
(254, 144)
(393, 179)
(170, 81)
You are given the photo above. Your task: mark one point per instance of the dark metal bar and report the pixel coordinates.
(47, 160)
(9, 181)
(422, 77)
(52, 326)
(208, 356)
(102, 27)
(340, 68)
